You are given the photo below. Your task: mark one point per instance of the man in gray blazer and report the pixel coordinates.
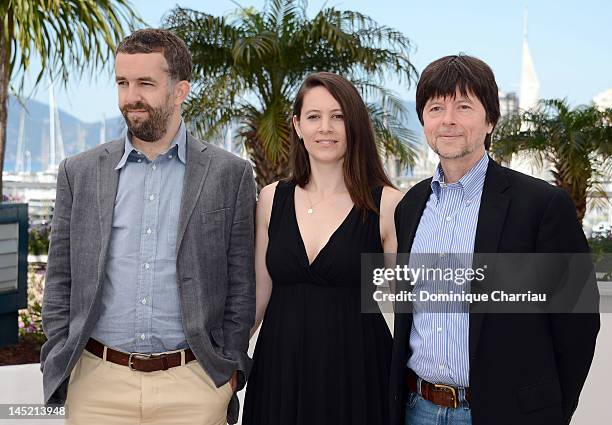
(150, 287)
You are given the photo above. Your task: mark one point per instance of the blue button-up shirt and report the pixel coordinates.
(140, 300)
(439, 337)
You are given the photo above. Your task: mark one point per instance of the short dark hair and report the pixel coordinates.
(363, 168)
(443, 77)
(155, 40)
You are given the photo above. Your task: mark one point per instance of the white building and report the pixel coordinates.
(604, 99)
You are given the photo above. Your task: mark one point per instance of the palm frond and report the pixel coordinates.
(249, 65)
(576, 141)
(273, 131)
(72, 34)
(217, 108)
(389, 101)
(392, 137)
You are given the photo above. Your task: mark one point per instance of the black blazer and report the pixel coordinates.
(524, 368)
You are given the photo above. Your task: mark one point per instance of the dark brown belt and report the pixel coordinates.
(137, 361)
(440, 394)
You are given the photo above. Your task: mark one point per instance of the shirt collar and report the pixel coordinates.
(471, 182)
(179, 143)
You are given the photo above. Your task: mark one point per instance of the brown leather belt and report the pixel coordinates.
(137, 361)
(440, 394)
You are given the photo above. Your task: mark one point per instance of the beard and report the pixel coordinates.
(152, 128)
(446, 151)
(452, 155)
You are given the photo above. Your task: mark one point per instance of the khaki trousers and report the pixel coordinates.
(101, 392)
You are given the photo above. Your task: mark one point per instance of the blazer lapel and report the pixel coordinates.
(491, 217)
(107, 182)
(198, 162)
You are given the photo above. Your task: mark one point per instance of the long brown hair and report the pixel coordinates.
(363, 169)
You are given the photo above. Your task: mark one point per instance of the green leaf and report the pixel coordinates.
(249, 65)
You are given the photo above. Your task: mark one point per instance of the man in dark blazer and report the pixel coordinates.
(473, 367)
(150, 287)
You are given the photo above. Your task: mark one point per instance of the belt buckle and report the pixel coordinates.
(137, 355)
(452, 390)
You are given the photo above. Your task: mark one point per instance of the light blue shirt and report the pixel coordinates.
(440, 339)
(140, 300)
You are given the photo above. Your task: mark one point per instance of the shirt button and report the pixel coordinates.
(449, 218)
(468, 202)
(442, 255)
(147, 265)
(441, 367)
(140, 160)
(439, 329)
(169, 156)
(151, 197)
(144, 301)
(148, 231)
(154, 167)
(142, 336)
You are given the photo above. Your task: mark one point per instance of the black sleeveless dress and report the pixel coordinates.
(318, 359)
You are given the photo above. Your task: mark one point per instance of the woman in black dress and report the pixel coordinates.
(318, 359)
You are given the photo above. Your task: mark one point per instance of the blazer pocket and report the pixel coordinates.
(213, 227)
(539, 396)
(217, 336)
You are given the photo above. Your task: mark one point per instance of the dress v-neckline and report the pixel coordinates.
(329, 240)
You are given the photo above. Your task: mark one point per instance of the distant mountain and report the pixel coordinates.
(77, 135)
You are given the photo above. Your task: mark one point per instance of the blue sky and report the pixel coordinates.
(569, 41)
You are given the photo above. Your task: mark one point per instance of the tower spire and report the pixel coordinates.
(530, 85)
(19, 166)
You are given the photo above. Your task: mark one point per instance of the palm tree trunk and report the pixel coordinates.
(4, 84)
(580, 200)
(576, 190)
(266, 172)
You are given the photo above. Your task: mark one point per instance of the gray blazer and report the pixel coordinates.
(215, 261)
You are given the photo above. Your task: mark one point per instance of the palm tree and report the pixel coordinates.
(64, 34)
(577, 143)
(248, 67)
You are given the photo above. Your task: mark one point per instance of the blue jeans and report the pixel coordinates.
(422, 412)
